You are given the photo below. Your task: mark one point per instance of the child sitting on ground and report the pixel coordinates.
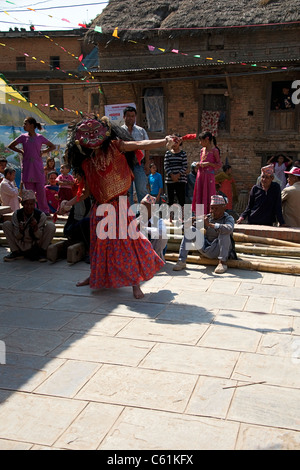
(51, 190)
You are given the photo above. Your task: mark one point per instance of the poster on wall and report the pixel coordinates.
(56, 134)
(115, 112)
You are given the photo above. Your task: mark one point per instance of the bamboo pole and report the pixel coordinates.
(268, 250)
(242, 237)
(256, 265)
(287, 255)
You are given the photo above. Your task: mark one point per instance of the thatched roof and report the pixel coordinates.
(138, 19)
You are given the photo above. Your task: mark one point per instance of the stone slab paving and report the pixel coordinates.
(201, 362)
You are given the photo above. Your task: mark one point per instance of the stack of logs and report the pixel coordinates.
(253, 252)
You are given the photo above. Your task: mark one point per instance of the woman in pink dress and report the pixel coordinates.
(33, 175)
(205, 185)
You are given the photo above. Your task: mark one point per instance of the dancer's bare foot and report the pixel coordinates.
(86, 282)
(137, 292)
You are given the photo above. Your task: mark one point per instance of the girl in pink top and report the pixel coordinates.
(205, 185)
(33, 176)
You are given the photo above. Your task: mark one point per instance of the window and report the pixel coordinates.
(56, 95)
(95, 102)
(214, 115)
(21, 63)
(281, 97)
(54, 62)
(153, 108)
(282, 114)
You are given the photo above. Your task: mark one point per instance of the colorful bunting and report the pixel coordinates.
(115, 33)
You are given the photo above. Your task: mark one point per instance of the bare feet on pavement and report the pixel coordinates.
(86, 282)
(137, 293)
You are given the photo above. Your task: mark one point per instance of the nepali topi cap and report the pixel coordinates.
(27, 195)
(217, 199)
(268, 170)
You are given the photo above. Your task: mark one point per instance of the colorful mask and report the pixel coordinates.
(91, 133)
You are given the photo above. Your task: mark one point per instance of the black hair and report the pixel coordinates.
(226, 167)
(33, 121)
(130, 109)
(211, 138)
(8, 169)
(52, 173)
(208, 134)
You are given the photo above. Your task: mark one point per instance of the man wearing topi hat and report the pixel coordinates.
(290, 197)
(217, 242)
(29, 233)
(264, 204)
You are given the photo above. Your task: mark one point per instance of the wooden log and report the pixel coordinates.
(5, 210)
(57, 250)
(250, 264)
(268, 250)
(285, 255)
(76, 252)
(242, 237)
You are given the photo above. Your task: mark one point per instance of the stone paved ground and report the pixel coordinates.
(202, 362)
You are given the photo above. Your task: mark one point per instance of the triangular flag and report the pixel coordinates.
(115, 33)
(98, 29)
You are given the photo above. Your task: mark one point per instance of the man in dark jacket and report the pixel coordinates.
(264, 204)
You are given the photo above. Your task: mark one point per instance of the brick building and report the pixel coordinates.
(45, 67)
(198, 61)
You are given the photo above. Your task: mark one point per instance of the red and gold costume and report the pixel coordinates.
(121, 260)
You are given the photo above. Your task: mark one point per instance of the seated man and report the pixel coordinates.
(264, 204)
(9, 191)
(291, 198)
(155, 228)
(218, 242)
(29, 233)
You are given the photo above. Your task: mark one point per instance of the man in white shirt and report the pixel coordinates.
(9, 191)
(137, 133)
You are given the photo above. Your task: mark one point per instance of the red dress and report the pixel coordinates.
(205, 185)
(116, 259)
